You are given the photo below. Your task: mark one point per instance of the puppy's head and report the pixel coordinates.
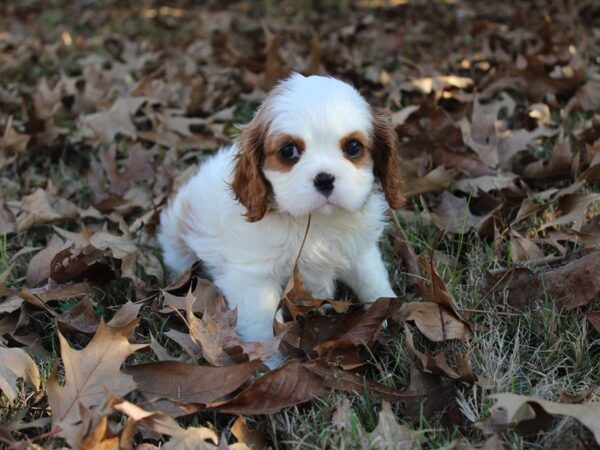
(316, 145)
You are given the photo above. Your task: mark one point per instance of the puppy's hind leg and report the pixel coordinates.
(256, 297)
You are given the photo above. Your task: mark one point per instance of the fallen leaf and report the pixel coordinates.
(12, 141)
(435, 321)
(38, 269)
(438, 364)
(190, 383)
(138, 167)
(254, 439)
(594, 319)
(88, 263)
(390, 435)
(572, 210)
(295, 383)
(558, 165)
(523, 249)
(435, 180)
(508, 408)
(40, 208)
(452, 214)
(486, 183)
(90, 375)
(573, 284)
(79, 318)
(192, 438)
(587, 98)
(105, 125)
(216, 335)
(15, 363)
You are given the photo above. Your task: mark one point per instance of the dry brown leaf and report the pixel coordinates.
(594, 319)
(571, 285)
(434, 289)
(91, 374)
(338, 338)
(77, 264)
(7, 219)
(40, 208)
(79, 318)
(559, 164)
(105, 125)
(438, 364)
(295, 383)
(428, 317)
(190, 383)
(587, 98)
(38, 269)
(434, 395)
(486, 183)
(523, 249)
(512, 142)
(254, 439)
(216, 335)
(435, 180)
(508, 408)
(274, 65)
(466, 163)
(205, 293)
(4, 289)
(390, 435)
(187, 344)
(192, 438)
(12, 141)
(437, 84)
(572, 210)
(15, 363)
(452, 214)
(138, 167)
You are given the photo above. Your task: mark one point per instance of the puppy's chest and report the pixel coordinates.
(329, 249)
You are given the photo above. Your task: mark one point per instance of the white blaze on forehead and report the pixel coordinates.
(318, 108)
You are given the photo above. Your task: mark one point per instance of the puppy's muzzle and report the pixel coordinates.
(324, 183)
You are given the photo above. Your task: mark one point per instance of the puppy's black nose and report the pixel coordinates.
(324, 183)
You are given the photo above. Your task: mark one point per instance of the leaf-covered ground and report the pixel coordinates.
(106, 108)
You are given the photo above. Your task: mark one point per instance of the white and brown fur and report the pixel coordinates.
(245, 212)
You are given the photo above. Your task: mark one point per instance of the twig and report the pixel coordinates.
(303, 242)
(180, 315)
(436, 241)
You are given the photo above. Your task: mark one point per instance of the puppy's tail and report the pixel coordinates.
(178, 256)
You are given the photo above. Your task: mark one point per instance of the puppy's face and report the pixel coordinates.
(315, 145)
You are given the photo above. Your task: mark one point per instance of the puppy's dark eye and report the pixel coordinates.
(353, 149)
(289, 152)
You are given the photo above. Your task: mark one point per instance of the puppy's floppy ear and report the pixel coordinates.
(386, 158)
(249, 184)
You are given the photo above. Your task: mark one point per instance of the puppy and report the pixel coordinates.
(316, 148)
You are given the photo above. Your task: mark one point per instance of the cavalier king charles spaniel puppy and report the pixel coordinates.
(314, 148)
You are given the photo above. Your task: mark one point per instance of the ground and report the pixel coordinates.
(105, 109)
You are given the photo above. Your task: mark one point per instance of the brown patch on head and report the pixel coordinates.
(273, 160)
(249, 184)
(386, 158)
(364, 159)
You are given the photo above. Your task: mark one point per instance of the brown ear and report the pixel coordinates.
(249, 185)
(386, 158)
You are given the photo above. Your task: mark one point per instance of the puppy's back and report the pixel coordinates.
(196, 210)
